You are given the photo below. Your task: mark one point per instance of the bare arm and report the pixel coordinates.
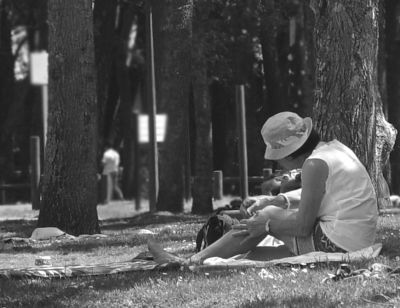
(301, 223)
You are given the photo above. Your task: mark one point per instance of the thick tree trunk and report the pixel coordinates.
(203, 160)
(172, 31)
(70, 182)
(393, 82)
(348, 105)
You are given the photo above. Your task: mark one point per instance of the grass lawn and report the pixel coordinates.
(271, 287)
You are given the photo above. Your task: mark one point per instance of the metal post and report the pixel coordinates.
(188, 163)
(241, 124)
(35, 171)
(45, 113)
(218, 184)
(151, 100)
(136, 154)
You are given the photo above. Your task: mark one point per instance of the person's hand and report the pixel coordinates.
(252, 227)
(250, 206)
(246, 205)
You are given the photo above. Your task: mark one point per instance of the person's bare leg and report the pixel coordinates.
(225, 247)
(229, 246)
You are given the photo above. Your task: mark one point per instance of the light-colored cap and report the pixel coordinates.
(284, 133)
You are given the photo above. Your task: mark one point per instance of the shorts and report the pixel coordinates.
(316, 241)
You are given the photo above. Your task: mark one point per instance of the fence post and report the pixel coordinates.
(267, 173)
(2, 193)
(35, 171)
(218, 191)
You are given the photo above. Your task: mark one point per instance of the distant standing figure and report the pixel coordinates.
(111, 160)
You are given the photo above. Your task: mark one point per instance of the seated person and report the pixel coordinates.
(334, 211)
(281, 183)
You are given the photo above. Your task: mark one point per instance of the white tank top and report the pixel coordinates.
(348, 214)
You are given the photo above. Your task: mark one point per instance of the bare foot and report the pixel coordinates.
(161, 256)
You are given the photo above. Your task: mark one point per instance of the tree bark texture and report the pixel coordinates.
(172, 37)
(70, 182)
(202, 189)
(393, 82)
(348, 106)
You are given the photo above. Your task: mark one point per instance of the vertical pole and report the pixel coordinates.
(241, 124)
(188, 163)
(136, 162)
(2, 192)
(151, 99)
(35, 171)
(45, 113)
(218, 190)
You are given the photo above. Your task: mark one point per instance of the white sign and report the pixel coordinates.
(39, 68)
(161, 127)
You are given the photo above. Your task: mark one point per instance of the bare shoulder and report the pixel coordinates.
(315, 168)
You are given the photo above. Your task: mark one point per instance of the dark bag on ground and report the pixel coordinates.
(216, 226)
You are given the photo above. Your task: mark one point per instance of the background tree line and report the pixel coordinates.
(335, 60)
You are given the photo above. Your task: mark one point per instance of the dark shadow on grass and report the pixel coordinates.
(39, 292)
(24, 228)
(294, 301)
(147, 219)
(57, 292)
(90, 245)
(19, 228)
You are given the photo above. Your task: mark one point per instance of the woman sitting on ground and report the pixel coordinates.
(336, 208)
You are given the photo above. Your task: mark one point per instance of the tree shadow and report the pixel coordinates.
(17, 228)
(147, 219)
(294, 301)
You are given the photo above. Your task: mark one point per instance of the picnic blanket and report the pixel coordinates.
(72, 271)
(217, 263)
(138, 264)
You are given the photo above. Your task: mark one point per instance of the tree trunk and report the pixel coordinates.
(202, 186)
(104, 15)
(172, 30)
(130, 77)
(70, 182)
(275, 84)
(6, 90)
(393, 82)
(348, 105)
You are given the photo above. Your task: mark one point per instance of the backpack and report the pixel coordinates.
(215, 227)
